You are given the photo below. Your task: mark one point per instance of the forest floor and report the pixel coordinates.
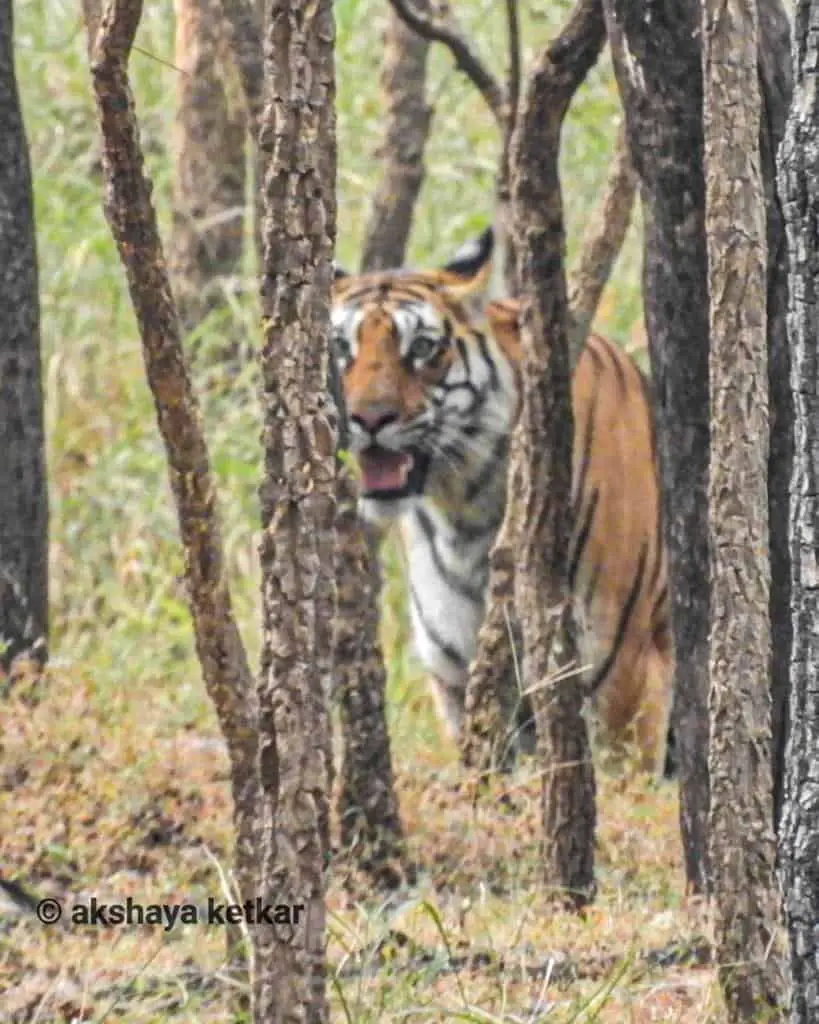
(106, 796)
(113, 779)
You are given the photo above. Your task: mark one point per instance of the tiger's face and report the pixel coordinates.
(418, 391)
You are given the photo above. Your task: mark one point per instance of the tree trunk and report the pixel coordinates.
(776, 82)
(799, 826)
(741, 843)
(542, 597)
(23, 493)
(408, 120)
(132, 219)
(367, 804)
(298, 503)
(602, 242)
(659, 74)
(494, 714)
(209, 164)
(368, 807)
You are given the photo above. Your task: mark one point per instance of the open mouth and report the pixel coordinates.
(387, 475)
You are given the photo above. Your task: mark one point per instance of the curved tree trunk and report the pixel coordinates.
(799, 826)
(23, 493)
(133, 224)
(542, 597)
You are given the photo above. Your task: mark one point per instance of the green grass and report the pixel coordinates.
(113, 782)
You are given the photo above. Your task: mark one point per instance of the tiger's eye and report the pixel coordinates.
(341, 347)
(423, 348)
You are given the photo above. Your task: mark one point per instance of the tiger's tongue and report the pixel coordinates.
(386, 471)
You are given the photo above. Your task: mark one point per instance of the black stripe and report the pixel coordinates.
(486, 355)
(469, 532)
(577, 496)
(453, 582)
(591, 589)
(489, 469)
(462, 351)
(582, 538)
(446, 649)
(657, 611)
(615, 356)
(658, 553)
(599, 676)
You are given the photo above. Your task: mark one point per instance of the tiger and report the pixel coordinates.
(430, 373)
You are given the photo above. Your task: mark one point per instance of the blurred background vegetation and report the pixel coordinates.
(118, 611)
(115, 781)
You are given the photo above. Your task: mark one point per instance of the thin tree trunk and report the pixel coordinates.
(209, 164)
(368, 808)
(23, 489)
(741, 842)
(542, 597)
(776, 83)
(408, 120)
(799, 826)
(298, 503)
(494, 710)
(133, 224)
(367, 804)
(659, 74)
(602, 242)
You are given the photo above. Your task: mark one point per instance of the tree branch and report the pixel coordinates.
(446, 31)
(602, 242)
(513, 87)
(133, 224)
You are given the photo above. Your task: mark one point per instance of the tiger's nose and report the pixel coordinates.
(374, 417)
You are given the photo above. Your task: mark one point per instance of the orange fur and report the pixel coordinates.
(614, 440)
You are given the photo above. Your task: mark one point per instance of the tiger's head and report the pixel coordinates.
(429, 396)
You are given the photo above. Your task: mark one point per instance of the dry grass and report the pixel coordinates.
(113, 780)
(108, 797)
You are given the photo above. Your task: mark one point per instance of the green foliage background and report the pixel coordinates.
(119, 615)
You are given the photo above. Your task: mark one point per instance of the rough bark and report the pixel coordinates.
(657, 65)
(741, 842)
(493, 707)
(776, 82)
(602, 242)
(209, 164)
(799, 828)
(298, 502)
(368, 807)
(133, 224)
(542, 597)
(367, 804)
(23, 493)
(408, 120)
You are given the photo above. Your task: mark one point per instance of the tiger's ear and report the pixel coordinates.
(466, 276)
(503, 316)
(339, 273)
